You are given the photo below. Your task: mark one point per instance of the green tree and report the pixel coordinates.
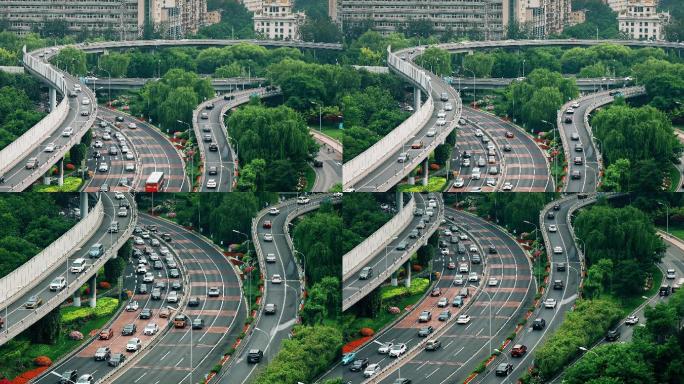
(436, 59)
(320, 30)
(479, 63)
(71, 59)
(78, 153)
(46, 330)
(7, 57)
(616, 178)
(115, 63)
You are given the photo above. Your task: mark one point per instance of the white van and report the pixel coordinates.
(78, 265)
(476, 174)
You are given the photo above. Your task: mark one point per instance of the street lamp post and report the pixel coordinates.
(555, 174)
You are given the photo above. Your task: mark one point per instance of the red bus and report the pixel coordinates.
(155, 183)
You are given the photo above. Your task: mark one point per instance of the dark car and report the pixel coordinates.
(550, 215)
(176, 286)
(558, 284)
(120, 119)
(492, 249)
(568, 120)
(173, 273)
(317, 163)
(556, 207)
(613, 335)
(68, 377)
(444, 316)
(143, 289)
(538, 324)
(129, 329)
(197, 323)
(425, 331)
(358, 364)
(213, 170)
(560, 267)
(116, 359)
(145, 313)
(213, 147)
(504, 369)
(194, 302)
(166, 236)
(254, 355)
(402, 380)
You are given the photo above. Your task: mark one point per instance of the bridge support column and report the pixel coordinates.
(92, 283)
(77, 299)
(400, 201)
(411, 179)
(416, 98)
(53, 99)
(60, 169)
(84, 204)
(46, 178)
(394, 280)
(407, 281)
(426, 168)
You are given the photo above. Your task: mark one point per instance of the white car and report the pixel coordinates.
(98, 144)
(172, 297)
(58, 284)
(448, 107)
(576, 104)
(119, 196)
(431, 132)
(557, 250)
(479, 133)
(211, 183)
(443, 302)
(441, 122)
(463, 236)
(130, 156)
(385, 348)
(397, 350)
(447, 233)
(459, 183)
(149, 277)
(133, 345)
(132, 126)
(371, 370)
(273, 211)
(268, 237)
(493, 282)
(553, 228)
(473, 277)
(164, 251)
(671, 273)
(276, 279)
(50, 147)
(508, 186)
(472, 248)
(271, 258)
(441, 114)
(459, 280)
(68, 131)
(132, 306)
(463, 319)
(85, 102)
(445, 251)
(550, 303)
(150, 329)
(632, 320)
(103, 167)
(138, 241)
(463, 268)
(303, 200)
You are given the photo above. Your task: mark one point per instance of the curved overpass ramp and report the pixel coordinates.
(386, 250)
(34, 277)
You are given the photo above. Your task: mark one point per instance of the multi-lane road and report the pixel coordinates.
(148, 151)
(520, 164)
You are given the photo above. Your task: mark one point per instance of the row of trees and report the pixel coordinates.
(367, 103)
(362, 216)
(174, 97)
(30, 223)
(596, 61)
(17, 110)
(275, 145)
(514, 211)
(654, 355)
(621, 248)
(635, 143)
(664, 82)
(537, 98)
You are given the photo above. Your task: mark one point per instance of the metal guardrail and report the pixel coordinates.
(384, 275)
(353, 260)
(96, 47)
(33, 272)
(77, 282)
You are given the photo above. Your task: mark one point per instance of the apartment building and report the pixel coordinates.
(276, 20)
(489, 18)
(617, 5)
(174, 18)
(252, 5)
(641, 21)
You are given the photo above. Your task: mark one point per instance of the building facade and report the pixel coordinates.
(488, 19)
(127, 18)
(276, 20)
(641, 21)
(577, 17)
(252, 5)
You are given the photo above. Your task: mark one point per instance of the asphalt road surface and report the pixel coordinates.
(494, 311)
(151, 151)
(524, 167)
